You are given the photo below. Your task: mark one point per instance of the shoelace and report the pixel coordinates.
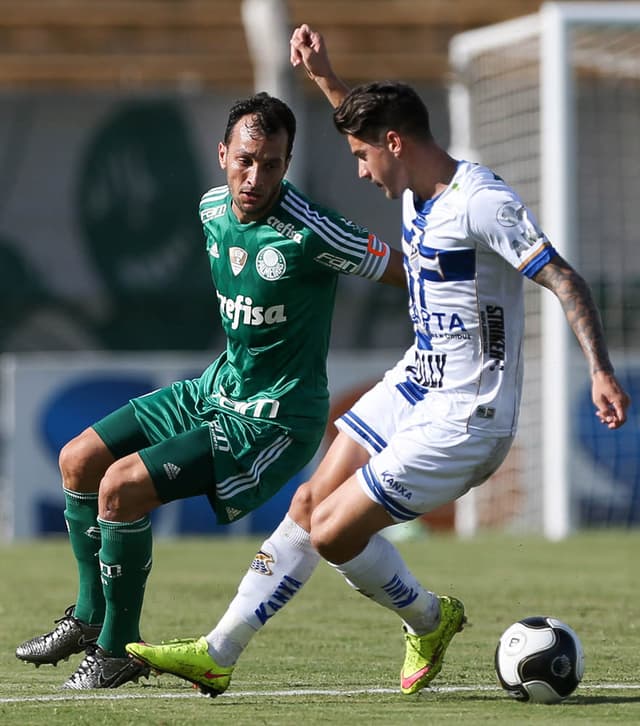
(63, 626)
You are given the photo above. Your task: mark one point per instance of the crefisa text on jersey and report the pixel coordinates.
(242, 310)
(286, 229)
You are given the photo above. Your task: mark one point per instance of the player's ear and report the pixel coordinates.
(393, 142)
(222, 155)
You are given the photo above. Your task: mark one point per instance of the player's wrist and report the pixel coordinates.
(607, 370)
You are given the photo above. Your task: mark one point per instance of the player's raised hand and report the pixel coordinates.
(308, 49)
(610, 399)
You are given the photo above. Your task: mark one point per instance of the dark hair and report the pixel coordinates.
(269, 114)
(370, 110)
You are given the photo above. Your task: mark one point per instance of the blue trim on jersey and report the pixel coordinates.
(453, 265)
(366, 432)
(413, 392)
(423, 208)
(538, 262)
(394, 508)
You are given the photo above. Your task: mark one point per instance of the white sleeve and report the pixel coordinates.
(499, 219)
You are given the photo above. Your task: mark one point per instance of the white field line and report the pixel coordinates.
(289, 693)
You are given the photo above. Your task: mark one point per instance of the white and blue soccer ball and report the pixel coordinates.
(539, 659)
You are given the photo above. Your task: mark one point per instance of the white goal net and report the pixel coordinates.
(551, 102)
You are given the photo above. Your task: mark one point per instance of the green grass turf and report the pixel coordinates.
(330, 640)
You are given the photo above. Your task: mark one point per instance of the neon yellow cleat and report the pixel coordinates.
(188, 659)
(425, 653)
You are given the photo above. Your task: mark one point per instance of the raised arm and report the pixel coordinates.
(308, 49)
(570, 288)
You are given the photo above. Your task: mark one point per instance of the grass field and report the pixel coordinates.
(333, 657)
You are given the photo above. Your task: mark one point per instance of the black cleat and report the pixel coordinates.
(100, 670)
(68, 637)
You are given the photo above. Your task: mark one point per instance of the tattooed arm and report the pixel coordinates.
(570, 288)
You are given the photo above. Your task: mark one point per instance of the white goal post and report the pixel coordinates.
(551, 102)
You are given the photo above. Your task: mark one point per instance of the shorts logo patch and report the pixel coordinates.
(219, 439)
(171, 470)
(233, 513)
(261, 563)
(271, 264)
(389, 481)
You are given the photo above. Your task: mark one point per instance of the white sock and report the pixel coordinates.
(381, 574)
(284, 563)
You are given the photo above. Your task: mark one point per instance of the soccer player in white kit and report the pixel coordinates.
(443, 419)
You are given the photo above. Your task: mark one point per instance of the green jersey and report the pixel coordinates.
(276, 280)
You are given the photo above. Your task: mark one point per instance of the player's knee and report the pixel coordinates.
(78, 463)
(122, 496)
(112, 495)
(301, 506)
(323, 537)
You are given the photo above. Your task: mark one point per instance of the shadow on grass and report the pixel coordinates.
(590, 700)
(575, 700)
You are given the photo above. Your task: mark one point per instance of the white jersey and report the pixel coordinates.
(466, 252)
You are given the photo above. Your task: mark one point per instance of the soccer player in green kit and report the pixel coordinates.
(245, 427)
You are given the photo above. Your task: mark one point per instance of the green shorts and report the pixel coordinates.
(191, 449)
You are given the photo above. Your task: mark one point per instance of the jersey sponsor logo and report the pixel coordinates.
(286, 229)
(238, 258)
(213, 251)
(428, 369)
(241, 310)
(437, 325)
(493, 335)
(285, 590)
(270, 264)
(262, 563)
(336, 263)
(213, 213)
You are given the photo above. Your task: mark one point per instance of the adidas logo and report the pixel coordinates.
(213, 250)
(171, 470)
(233, 513)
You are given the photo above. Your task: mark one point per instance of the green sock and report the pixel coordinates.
(81, 514)
(125, 562)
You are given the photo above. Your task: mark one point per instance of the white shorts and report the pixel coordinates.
(417, 462)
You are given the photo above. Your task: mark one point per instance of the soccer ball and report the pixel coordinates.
(539, 659)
